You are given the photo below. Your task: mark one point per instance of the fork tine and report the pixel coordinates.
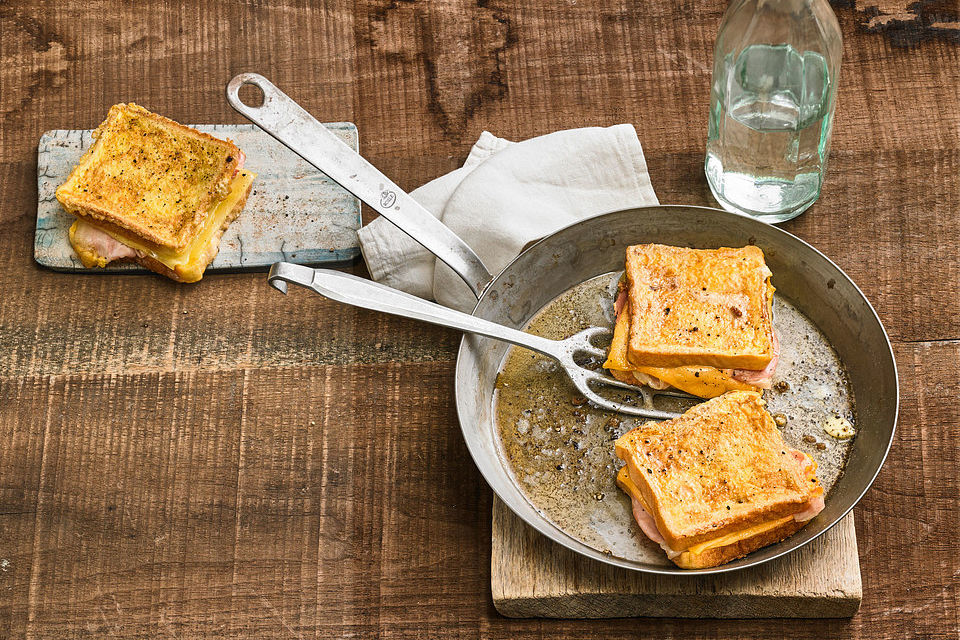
(676, 394)
(593, 351)
(620, 407)
(595, 331)
(581, 379)
(613, 382)
(608, 380)
(586, 336)
(580, 343)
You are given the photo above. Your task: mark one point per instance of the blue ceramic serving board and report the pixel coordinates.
(294, 212)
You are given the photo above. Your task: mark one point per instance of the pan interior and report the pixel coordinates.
(593, 247)
(560, 449)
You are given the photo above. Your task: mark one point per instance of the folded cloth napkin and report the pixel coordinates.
(506, 195)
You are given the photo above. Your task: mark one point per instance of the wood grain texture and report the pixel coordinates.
(908, 23)
(159, 472)
(535, 577)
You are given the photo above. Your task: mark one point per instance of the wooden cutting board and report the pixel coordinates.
(531, 576)
(294, 213)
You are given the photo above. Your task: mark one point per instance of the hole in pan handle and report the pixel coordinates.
(290, 124)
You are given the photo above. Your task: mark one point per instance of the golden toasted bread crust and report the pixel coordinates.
(149, 177)
(213, 248)
(709, 307)
(716, 556)
(720, 467)
(706, 382)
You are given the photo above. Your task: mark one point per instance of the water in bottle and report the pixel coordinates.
(771, 112)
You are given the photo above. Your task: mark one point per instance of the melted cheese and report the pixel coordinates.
(701, 381)
(191, 262)
(736, 536)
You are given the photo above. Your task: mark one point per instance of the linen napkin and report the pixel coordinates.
(506, 195)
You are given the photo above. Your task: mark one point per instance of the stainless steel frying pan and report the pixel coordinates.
(555, 264)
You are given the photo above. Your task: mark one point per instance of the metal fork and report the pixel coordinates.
(360, 292)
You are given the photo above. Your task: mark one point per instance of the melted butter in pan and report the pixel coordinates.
(560, 449)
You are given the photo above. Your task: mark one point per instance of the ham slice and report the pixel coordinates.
(763, 378)
(101, 244)
(649, 527)
(621, 301)
(815, 504)
(646, 522)
(646, 379)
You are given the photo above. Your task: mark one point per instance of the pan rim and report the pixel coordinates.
(546, 527)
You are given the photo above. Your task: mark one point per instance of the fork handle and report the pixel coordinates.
(360, 292)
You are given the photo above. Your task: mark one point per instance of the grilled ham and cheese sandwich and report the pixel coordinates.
(718, 482)
(700, 320)
(155, 192)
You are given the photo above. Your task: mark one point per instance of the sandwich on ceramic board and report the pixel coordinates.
(155, 192)
(717, 482)
(699, 320)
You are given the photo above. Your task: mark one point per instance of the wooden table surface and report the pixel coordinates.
(216, 460)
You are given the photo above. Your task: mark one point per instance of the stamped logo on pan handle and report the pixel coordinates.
(387, 198)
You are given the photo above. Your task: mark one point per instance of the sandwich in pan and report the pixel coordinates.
(718, 482)
(155, 192)
(699, 320)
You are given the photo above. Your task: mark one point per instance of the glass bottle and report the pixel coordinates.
(775, 71)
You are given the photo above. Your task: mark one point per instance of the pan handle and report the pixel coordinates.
(289, 123)
(360, 292)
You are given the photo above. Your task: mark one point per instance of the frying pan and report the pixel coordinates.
(593, 247)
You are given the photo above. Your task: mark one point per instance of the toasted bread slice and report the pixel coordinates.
(702, 381)
(725, 548)
(720, 468)
(150, 179)
(96, 244)
(708, 307)
(739, 547)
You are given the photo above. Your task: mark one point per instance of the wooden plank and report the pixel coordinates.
(146, 323)
(233, 515)
(636, 65)
(401, 550)
(265, 499)
(893, 268)
(531, 576)
(907, 23)
(294, 213)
